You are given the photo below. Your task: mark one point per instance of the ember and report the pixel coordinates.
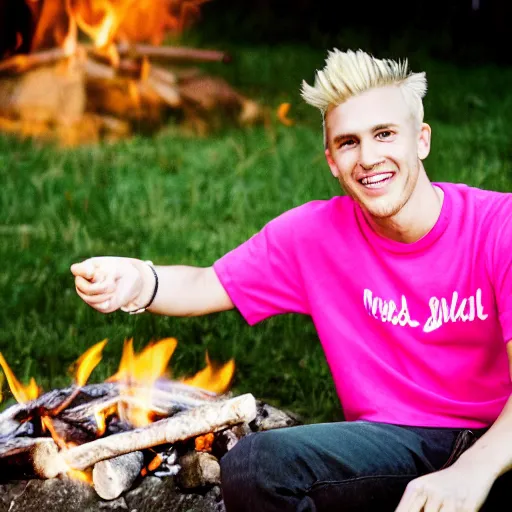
(139, 423)
(92, 70)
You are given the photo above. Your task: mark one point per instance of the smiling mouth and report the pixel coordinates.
(377, 181)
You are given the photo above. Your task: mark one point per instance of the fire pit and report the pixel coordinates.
(138, 441)
(97, 70)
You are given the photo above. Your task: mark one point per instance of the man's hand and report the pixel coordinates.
(458, 488)
(109, 283)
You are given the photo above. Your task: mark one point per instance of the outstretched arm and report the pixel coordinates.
(464, 486)
(111, 283)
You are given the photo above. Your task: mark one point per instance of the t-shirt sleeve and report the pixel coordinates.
(262, 276)
(502, 265)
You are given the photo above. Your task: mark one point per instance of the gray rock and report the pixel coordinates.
(65, 495)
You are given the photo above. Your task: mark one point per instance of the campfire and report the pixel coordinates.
(139, 423)
(92, 70)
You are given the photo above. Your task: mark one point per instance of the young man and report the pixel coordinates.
(409, 285)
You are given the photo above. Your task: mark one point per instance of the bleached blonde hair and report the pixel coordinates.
(350, 73)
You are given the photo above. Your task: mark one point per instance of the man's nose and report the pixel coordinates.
(369, 156)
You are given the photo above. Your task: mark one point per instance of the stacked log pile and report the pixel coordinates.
(170, 464)
(85, 96)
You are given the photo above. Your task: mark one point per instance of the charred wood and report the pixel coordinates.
(269, 417)
(33, 456)
(194, 422)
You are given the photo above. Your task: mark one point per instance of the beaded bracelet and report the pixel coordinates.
(141, 310)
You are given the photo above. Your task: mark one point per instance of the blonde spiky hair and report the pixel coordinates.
(350, 73)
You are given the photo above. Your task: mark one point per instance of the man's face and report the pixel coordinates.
(375, 148)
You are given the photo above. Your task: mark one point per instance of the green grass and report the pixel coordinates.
(179, 199)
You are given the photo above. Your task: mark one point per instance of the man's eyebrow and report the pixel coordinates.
(383, 126)
(338, 138)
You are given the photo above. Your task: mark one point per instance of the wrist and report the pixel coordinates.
(475, 460)
(148, 286)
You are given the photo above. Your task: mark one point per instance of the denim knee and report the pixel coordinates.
(236, 478)
(256, 475)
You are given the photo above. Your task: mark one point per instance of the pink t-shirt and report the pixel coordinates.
(414, 334)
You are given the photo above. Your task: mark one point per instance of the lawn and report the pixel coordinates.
(178, 199)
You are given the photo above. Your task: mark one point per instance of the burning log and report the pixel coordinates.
(170, 53)
(83, 95)
(34, 453)
(197, 429)
(114, 476)
(109, 86)
(170, 396)
(197, 421)
(24, 62)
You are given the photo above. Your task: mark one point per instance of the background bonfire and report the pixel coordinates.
(78, 71)
(139, 422)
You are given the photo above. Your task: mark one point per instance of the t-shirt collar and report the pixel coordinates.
(400, 247)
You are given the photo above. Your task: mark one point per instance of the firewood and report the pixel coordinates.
(196, 421)
(213, 96)
(112, 477)
(172, 53)
(125, 98)
(164, 75)
(198, 469)
(169, 93)
(45, 95)
(68, 432)
(24, 62)
(37, 455)
(95, 69)
(269, 418)
(226, 439)
(130, 68)
(167, 395)
(167, 398)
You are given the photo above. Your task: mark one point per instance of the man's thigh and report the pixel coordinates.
(321, 466)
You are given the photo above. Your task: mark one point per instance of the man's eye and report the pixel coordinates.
(385, 135)
(347, 142)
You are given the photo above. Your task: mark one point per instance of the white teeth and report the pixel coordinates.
(376, 179)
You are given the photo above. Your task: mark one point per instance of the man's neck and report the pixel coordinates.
(417, 217)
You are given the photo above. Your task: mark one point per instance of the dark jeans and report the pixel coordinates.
(348, 466)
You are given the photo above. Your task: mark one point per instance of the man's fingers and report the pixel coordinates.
(85, 269)
(450, 506)
(413, 500)
(94, 299)
(94, 288)
(433, 504)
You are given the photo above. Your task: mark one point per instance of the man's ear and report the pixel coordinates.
(424, 141)
(332, 164)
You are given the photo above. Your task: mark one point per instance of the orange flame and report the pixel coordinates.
(99, 19)
(138, 372)
(214, 377)
(282, 114)
(86, 363)
(153, 464)
(109, 21)
(31, 392)
(204, 443)
(20, 392)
